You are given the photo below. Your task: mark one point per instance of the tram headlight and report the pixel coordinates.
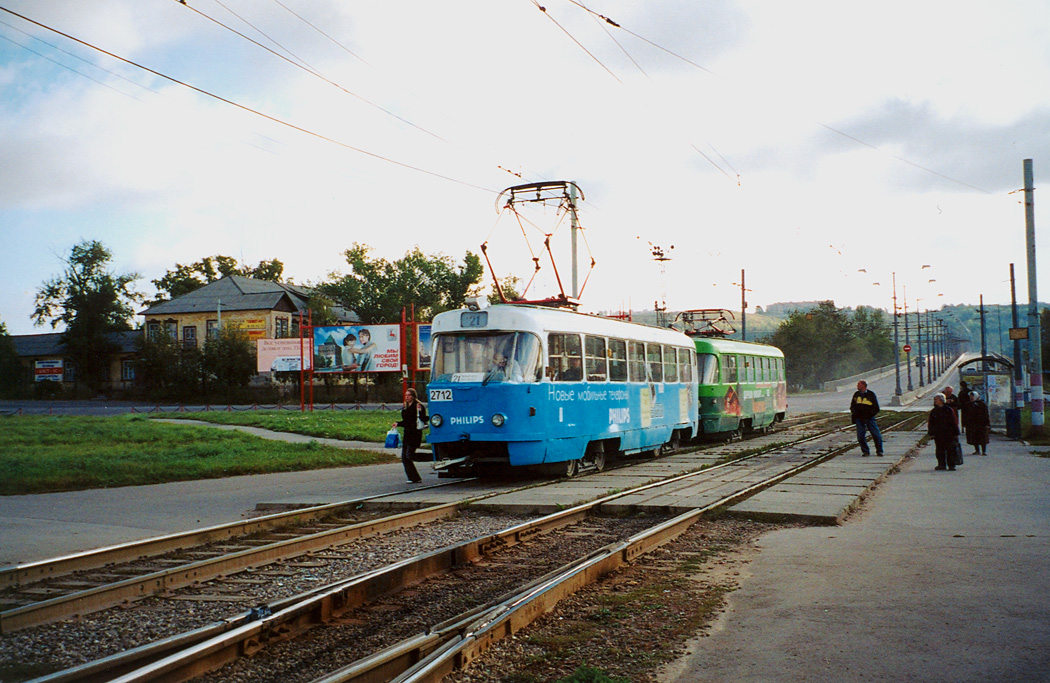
(436, 420)
(498, 419)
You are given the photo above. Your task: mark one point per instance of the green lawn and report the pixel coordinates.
(40, 454)
(350, 425)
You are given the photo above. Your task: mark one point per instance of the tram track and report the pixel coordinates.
(334, 603)
(43, 592)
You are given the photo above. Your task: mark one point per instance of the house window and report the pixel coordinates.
(212, 329)
(127, 370)
(189, 336)
(171, 328)
(281, 328)
(152, 331)
(69, 371)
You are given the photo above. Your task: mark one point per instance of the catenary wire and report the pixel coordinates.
(611, 22)
(248, 109)
(299, 63)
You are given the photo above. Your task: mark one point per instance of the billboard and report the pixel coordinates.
(281, 355)
(48, 371)
(253, 328)
(357, 348)
(422, 347)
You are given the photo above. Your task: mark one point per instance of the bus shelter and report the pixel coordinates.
(992, 377)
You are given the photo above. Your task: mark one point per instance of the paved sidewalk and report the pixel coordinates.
(942, 576)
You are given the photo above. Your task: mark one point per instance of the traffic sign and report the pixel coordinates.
(907, 348)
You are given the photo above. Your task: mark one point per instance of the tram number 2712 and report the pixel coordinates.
(440, 395)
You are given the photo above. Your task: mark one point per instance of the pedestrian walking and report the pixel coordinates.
(413, 421)
(978, 424)
(941, 426)
(863, 408)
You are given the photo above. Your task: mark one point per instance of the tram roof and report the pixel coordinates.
(723, 345)
(507, 317)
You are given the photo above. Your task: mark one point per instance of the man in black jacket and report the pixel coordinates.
(863, 409)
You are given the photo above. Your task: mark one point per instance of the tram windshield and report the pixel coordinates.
(487, 357)
(708, 363)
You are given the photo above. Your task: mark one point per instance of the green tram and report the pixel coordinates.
(742, 385)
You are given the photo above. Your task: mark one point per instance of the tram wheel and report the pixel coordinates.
(598, 460)
(571, 468)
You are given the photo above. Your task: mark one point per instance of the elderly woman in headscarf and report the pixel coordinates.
(941, 426)
(978, 424)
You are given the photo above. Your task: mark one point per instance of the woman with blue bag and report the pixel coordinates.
(413, 421)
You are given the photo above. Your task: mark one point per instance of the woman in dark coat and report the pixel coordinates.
(978, 424)
(941, 426)
(412, 411)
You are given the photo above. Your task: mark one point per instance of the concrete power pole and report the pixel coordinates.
(574, 223)
(1035, 346)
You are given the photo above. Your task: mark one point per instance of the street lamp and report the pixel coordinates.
(918, 334)
(896, 342)
(907, 338)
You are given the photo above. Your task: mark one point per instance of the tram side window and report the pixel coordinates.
(594, 359)
(685, 365)
(749, 364)
(566, 357)
(617, 360)
(655, 362)
(670, 364)
(731, 369)
(636, 361)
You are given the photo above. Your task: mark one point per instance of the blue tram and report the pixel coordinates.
(530, 385)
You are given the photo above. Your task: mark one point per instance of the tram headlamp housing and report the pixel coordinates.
(498, 419)
(436, 420)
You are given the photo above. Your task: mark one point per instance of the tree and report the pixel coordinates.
(183, 279)
(166, 370)
(92, 303)
(813, 343)
(377, 289)
(228, 363)
(10, 366)
(511, 288)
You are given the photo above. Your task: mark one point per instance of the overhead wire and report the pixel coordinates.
(248, 109)
(69, 68)
(304, 65)
(616, 24)
(316, 28)
(573, 39)
(298, 62)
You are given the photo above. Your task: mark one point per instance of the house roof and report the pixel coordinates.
(239, 293)
(50, 344)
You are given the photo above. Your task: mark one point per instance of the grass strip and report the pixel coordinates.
(355, 425)
(42, 454)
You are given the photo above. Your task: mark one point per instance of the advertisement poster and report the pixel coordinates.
(357, 348)
(281, 355)
(254, 328)
(48, 371)
(422, 347)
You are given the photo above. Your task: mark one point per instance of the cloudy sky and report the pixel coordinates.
(819, 146)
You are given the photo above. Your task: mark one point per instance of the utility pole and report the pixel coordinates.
(662, 258)
(896, 345)
(984, 339)
(1035, 347)
(1015, 324)
(907, 338)
(918, 334)
(575, 224)
(743, 308)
